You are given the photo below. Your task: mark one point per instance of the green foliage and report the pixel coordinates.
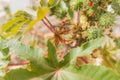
(5, 51)
(52, 3)
(85, 49)
(3, 64)
(50, 66)
(60, 10)
(22, 22)
(52, 55)
(90, 11)
(41, 13)
(117, 42)
(96, 1)
(22, 14)
(49, 3)
(116, 6)
(76, 4)
(45, 66)
(7, 10)
(118, 65)
(16, 24)
(70, 73)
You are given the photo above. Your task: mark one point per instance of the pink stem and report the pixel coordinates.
(48, 22)
(49, 27)
(78, 17)
(19, 63)
(54, 31)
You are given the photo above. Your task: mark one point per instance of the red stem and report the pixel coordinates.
(78, 17)
(19, 63)
(48, 22)
(84, 59)
(49, 27)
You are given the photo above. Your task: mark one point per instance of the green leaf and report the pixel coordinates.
(15, 29)
(12, 23)
(3, 44)
(38, 63)
(52, 3)
(71, 12)
(86, 72)
(49, 3)
(42, 12)
(5, 51)
(43, 3)
(2, 78)
(41, 68)
(23, 74)
(85, 49)
(23, 14)
(117, 41)
(16, 24)
(3, 65)
(115, 6)
(52, 55)
(31, 25)
(19, 74)
(118, 66)
(89, 72)
(33, 54)
(77, 4)
(60, 10)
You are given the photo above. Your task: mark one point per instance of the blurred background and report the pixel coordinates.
(9, 7)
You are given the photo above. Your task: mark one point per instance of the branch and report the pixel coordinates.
(78, 17)
(49, 27)
(19, 63)
(48, 22)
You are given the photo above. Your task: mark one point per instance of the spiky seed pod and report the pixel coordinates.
(90, 11)
(106, 20)
(94, 32)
